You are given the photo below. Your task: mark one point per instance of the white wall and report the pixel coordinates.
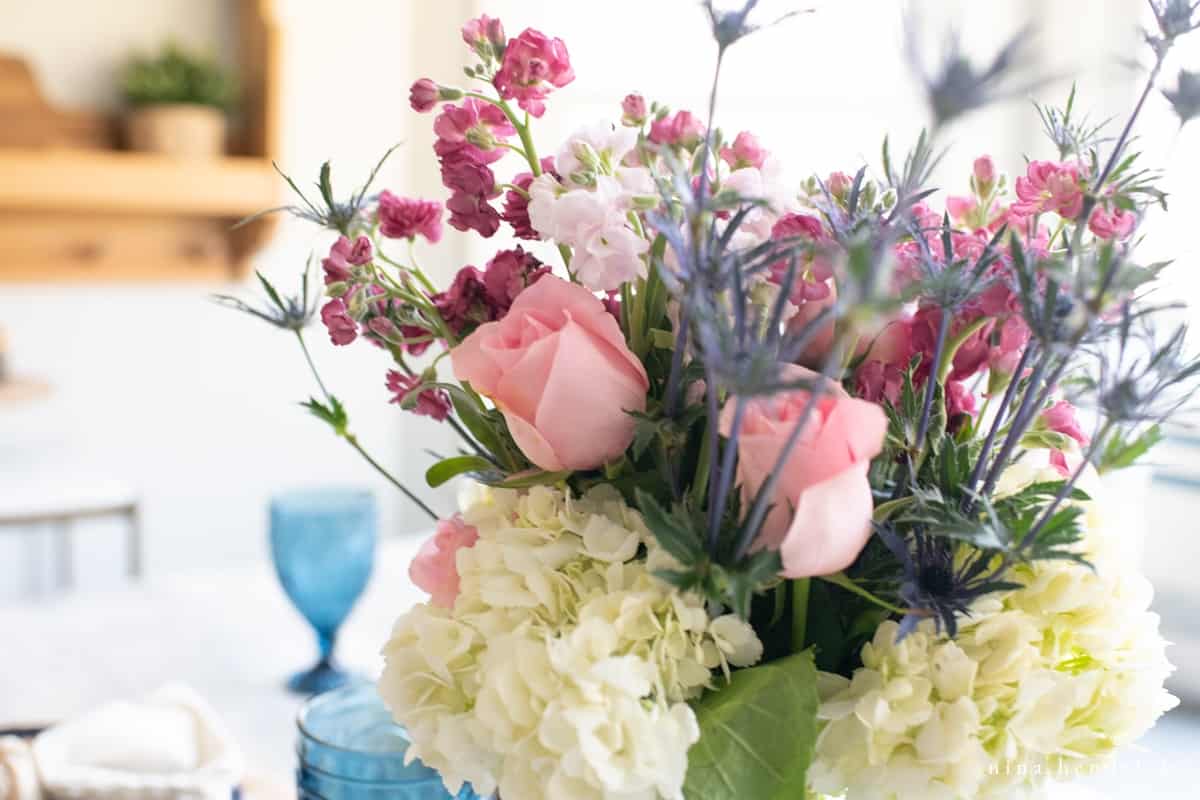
(156, 386)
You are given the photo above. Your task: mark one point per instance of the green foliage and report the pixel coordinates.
(449, 468)
(332, 414)
(757, 734)
(1122, 451)
(176, 76)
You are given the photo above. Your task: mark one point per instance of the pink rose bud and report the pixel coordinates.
(423, 95)
(435, 569)
(555, 366)
(1061, 418)
(984, 172)
(821, 518)
(745, 152)
(633, 109)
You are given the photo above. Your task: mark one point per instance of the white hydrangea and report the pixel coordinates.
(565, 666)
(1042, 682)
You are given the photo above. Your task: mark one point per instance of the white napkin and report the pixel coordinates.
(170, 744)
(18, 773)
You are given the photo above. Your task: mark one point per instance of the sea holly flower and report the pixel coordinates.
(431, 402)
(533, 65)
(407, 217)
(1050, 186)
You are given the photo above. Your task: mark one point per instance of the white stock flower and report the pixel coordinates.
(598, 145)
(565, 666)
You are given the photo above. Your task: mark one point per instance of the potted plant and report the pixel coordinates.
(178, 104)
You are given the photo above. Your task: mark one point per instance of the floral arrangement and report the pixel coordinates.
(778, 491)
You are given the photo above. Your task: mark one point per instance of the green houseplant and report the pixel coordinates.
(178, 103)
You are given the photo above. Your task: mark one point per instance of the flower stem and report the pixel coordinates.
(1001, 412)
(800, 590)
(353, 440)
(840, 579)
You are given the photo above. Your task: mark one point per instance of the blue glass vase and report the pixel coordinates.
(323, 546)
(349, 749)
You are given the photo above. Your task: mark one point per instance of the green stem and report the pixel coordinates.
(353, 440)
(840, 579)
(800, 590)
(311, 366)
(953, 346)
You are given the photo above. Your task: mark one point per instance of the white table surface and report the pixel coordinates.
(232, 635)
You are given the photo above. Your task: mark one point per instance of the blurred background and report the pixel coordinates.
(126, 389)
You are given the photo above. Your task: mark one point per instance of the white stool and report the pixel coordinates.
(47, 504)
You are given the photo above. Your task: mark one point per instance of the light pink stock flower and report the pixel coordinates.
(423, 95)
(1050, 186)
(435, 568)
(815, 269)
(682, 129)
(484, 30)
(823, 504)
(558, 368)
(406, 217)
(1115, 224)
(745, 152)
(533, 65)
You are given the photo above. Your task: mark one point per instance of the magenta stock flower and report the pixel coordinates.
(507, 275)
(682, 129)
(406, 217)
(1115, 224)
(465, 303)
(423, 95)
(533, 65)
(516, 203)
(342, 329)
(342, 256)
(744, 152)
(476, 123)
(430, 402)
(1050, 186)
(472, 212)
(633, 110)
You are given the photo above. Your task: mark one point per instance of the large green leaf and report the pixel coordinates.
(757, 734)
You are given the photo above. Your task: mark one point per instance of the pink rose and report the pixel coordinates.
(405, 217)
(558, 369)
(745, 152)
(423, 95)
(435, 569)
(533, 64)
(823, 505)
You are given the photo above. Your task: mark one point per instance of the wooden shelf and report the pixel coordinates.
(135, 183)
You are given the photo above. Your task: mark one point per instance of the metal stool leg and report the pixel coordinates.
(65, 556)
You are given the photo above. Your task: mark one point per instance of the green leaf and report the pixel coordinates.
(1121, 453)
(757, 734)
(333, 414)
(523, 480)
(449, 468)
(671, 530)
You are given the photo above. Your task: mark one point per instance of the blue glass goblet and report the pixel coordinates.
(323, 546)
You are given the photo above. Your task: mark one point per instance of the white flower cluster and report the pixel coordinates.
(1043, 682)
(590, 209)
(563, 668)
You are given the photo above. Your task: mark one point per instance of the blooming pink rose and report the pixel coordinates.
(435, 569)
(1050, 186)
(405, 217)
(342, 329)
(558, 368)
(342, 256)
(745, 152)
(423, 95)
(823, 505)
(633, 110)
(682, 128)
(533, 65)
(1115, 224)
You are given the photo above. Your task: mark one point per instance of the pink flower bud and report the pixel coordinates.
(985, 172)
(838, 184)
(745, 152)
(634, 108)
(423, 95)
(484, 30)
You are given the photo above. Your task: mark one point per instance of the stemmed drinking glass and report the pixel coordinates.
(323, 546)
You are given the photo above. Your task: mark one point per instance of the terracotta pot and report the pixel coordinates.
(177, 130)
